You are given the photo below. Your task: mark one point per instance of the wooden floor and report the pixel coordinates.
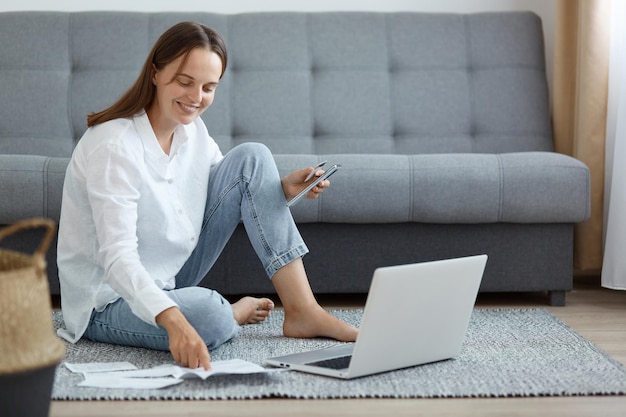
(595, 313)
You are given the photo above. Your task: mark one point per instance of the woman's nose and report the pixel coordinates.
(196, 95)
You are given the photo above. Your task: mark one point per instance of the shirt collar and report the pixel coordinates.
(151, 144)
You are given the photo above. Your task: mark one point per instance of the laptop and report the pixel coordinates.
(414, 314)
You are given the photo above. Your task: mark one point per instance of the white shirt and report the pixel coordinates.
(130, 217)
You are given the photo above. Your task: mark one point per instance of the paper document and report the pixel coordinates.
(126, 375)
(91, 367)
(99, 380)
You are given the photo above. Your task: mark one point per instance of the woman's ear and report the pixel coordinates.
(153, 74)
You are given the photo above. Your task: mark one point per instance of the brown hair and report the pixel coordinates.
(178, 40)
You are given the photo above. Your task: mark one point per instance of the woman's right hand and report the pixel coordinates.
(187, 347)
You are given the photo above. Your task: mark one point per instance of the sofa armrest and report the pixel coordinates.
(30, 186)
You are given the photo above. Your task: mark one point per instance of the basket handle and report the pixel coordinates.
(33, 223)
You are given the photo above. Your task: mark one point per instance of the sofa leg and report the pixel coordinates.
(556, 298)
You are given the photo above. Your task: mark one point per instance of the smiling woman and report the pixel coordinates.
(185, 88)
(173, 47)
(149, 202)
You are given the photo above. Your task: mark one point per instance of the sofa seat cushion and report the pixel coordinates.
(524, 187)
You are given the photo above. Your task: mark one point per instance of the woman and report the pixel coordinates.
(149, 202)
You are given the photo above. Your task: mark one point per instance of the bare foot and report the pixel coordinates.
(317, 322)
(250, 310)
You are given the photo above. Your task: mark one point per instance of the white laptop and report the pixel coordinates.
(414, 314)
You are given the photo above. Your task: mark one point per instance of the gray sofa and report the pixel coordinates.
(441, 122)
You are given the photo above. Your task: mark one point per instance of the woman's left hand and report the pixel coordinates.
(293, 183)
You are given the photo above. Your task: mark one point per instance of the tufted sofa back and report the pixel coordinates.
(302, 83)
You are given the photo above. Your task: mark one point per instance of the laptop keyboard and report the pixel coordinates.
(341, 362)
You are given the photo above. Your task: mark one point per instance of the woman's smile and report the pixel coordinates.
(188, 108)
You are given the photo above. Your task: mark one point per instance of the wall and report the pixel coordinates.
(237, 6)
(546, 9)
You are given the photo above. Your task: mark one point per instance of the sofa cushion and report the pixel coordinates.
(34, 84)
(524, 187)
(302, 83)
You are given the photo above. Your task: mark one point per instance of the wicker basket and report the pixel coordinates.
(29, 348)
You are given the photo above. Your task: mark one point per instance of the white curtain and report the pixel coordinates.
(614, 264)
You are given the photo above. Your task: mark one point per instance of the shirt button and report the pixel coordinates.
(170, 181)
(193, 239)
(180, 212)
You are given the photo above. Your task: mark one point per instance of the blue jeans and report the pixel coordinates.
(244, 187)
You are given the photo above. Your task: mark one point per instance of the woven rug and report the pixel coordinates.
(507, 353)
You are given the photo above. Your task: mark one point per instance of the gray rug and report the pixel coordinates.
(507, 353)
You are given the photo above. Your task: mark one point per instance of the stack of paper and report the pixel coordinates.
(126, 375)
